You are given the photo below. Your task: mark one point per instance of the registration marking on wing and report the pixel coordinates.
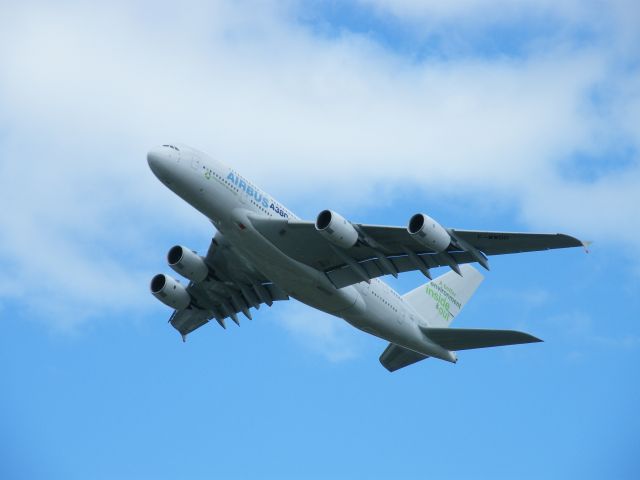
(501, 236)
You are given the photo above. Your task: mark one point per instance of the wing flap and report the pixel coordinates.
(455, 339)
(345, 275)
(300, 240)
(186, 321)
(232, 288)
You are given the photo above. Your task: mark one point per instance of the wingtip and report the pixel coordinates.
(528, 338)
(586, 244)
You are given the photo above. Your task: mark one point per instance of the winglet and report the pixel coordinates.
(586, 244)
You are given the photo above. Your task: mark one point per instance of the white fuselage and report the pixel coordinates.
(230, 200)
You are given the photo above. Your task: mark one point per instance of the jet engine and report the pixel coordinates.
(336, 229)
(426, 231)
(187, 263)
(170, 292)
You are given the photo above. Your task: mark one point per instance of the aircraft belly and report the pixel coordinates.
(393, 327)
(384, 326)
(300, 281)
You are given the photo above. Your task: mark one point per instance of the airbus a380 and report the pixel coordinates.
(262, 253)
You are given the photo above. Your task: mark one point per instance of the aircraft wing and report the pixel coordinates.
(232, 289)
(383, 250)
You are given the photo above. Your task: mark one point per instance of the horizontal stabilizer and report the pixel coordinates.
(396, 357)
(468, 338)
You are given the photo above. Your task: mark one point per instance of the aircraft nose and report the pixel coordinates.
(155, 158)
(162, 162)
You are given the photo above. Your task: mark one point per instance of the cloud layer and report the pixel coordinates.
(86, 90)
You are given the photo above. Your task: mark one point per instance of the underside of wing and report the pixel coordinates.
(497, 243)
(388, 250)
(232, 287)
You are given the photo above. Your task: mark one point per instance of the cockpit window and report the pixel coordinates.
(171, 146)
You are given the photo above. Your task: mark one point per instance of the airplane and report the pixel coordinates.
(262, 253)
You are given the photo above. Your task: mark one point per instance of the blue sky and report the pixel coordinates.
(485, 115)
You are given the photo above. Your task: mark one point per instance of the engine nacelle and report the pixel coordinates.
(187, 263)
(428, 232)
(170, 292)
(336, 229)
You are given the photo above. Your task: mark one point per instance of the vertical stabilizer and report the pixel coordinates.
(441, 300)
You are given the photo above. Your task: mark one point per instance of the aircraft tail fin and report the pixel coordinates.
(438, 303)
(441, 300)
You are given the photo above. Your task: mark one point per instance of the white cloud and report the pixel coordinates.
(605, 210)
(86, 90)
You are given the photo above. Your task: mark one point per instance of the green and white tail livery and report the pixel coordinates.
(441, 300)
(437, 303)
